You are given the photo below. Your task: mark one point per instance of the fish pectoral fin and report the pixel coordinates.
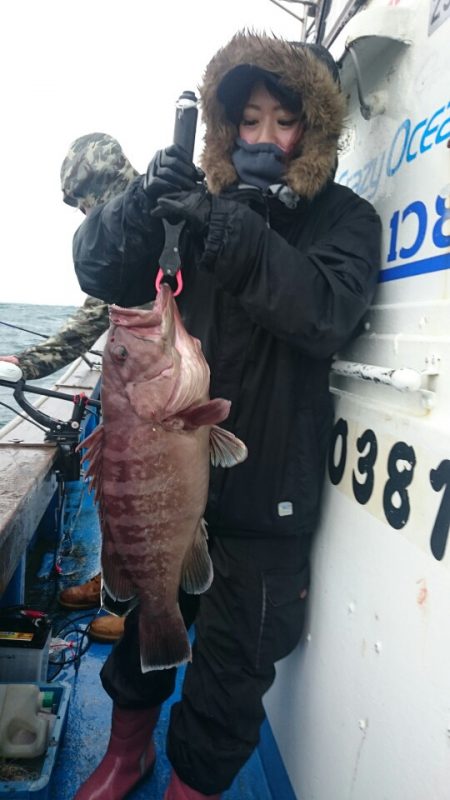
(225, 448)
(197, 573)
(163, 640)
(209, 413)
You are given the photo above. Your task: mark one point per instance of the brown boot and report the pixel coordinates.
(87, 595)
(108, 628)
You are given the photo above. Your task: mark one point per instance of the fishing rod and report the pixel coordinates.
(45, 336)
(19, 328)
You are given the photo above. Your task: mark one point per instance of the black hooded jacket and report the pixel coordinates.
(272, 294)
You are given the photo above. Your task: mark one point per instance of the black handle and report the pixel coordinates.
(186, 121)
(183, 135)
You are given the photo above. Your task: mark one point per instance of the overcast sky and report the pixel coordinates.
(70, 68)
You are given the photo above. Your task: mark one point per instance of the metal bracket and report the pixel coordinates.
(364, 107)
(402, 379)
(63, 433)
(310, 8)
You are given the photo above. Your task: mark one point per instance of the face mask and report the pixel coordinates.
(259, 165)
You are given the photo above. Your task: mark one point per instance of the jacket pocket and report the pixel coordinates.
(283, 613)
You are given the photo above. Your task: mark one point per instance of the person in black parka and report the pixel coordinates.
(279, 265)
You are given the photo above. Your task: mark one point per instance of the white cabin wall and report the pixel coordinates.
(361, 710)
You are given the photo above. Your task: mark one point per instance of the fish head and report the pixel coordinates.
(140, 362)
(144, 355)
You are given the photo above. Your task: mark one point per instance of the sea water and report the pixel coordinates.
(42, 319)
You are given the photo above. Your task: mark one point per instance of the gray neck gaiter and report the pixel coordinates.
(258, 165)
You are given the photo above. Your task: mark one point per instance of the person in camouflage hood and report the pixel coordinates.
(279, 265)
(94, 170)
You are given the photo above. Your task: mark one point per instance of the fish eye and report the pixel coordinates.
(120, 352)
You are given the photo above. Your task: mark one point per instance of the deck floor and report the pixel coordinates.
(77, 553)
(87, 733)
(89, 716)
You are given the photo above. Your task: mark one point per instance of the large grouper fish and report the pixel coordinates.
(149, 463)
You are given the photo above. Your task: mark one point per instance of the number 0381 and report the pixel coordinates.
(399, 473)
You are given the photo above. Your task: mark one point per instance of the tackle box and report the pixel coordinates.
(40, 768)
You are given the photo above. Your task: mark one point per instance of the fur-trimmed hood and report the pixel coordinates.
(301, 70)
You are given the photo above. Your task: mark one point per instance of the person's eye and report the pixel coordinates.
(287, 123)
(249, 123)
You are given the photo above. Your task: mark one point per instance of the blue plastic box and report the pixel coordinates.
(39, 788)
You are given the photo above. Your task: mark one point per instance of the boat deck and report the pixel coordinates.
(87, 733)
(88, 726)
(89, 715)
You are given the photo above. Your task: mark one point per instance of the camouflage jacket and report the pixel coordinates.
(76, 336)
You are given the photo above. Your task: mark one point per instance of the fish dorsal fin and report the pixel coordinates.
(93, 444)
(225, 448)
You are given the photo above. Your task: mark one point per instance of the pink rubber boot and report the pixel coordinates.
(129, 757)
(177, 790)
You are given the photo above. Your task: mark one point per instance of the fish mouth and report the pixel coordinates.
(136, 320)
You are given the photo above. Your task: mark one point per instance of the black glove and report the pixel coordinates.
(193, 207)
(170, 170)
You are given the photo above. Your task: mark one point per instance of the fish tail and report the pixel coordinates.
(163, 640)
(197, 575)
